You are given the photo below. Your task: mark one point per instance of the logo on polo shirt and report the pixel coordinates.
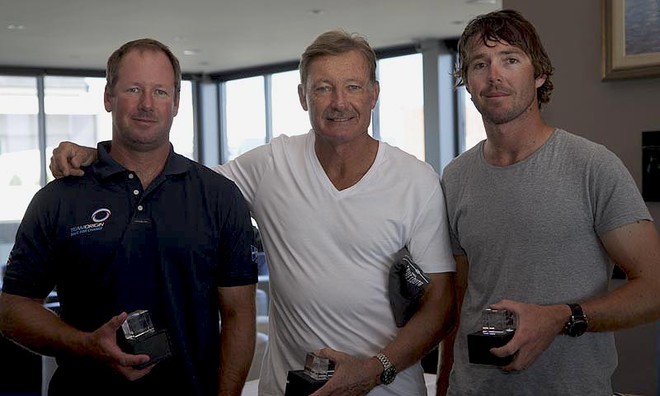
(98, 221)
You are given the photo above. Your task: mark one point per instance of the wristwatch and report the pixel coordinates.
(577, 323)
(389, 372)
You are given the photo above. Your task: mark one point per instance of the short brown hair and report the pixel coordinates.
(111, 73)
(337, 42)
(511, 27)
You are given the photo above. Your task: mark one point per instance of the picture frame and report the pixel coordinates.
(631, 41)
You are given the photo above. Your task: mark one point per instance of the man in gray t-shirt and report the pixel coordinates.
(538, 217)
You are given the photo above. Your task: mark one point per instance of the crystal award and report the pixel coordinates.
(497, 329)
(316, 373)
(141, 338)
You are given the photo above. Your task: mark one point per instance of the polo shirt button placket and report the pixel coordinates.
(136, 193)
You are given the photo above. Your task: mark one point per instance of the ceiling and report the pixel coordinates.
(211, 36)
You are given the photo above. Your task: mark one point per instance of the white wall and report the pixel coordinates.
(613, 113)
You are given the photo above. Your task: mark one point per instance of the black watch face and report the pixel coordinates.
(577, 328)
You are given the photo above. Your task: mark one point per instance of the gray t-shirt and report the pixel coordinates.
(531, 233)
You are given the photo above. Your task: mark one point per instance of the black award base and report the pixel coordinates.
(480, 344)
(156, 345)
(300, 384)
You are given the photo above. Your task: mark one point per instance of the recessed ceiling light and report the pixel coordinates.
(191, 52)
(15, 26)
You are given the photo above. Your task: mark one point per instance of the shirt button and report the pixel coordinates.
(131, 176)
(140, 208)
(136, 192)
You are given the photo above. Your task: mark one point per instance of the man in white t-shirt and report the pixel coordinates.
(334, 206)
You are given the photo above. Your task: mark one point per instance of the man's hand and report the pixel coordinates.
(352, 377)
(69, 157)
(102, 346)
(536, 328)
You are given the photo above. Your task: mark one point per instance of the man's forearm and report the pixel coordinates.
(237, 339)
(445, 362)
(430, 324)
(446, 352)
(28, 323)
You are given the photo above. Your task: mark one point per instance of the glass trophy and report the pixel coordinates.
(497, 329)
(316, 373)
(141, 338)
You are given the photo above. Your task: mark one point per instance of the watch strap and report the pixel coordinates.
(576, 310)
(389, 371)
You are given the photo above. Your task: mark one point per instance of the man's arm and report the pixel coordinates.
(446, 351)
(68, 158)
(636, 249)
(26, 322)
(237, 336)
(433, 320)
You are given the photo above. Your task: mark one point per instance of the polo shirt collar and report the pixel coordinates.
(106, 167)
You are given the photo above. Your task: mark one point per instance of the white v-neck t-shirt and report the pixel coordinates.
(329, 252)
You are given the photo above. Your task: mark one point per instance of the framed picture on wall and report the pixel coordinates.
(631, 38)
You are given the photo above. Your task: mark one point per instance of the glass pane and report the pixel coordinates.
(289, 118)
(74, 111)
(182, 134)
(246, 118)
(402, 103)
(474, 127)
(19, 146)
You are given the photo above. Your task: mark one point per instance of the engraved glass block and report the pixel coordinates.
(497, 322)
(318, 368)
(137, 324)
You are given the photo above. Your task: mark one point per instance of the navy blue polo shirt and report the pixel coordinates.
(108, 246)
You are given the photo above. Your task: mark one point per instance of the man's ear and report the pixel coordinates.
(176, 105)
(376, 94)
(107, 99)
(302, 96)
(540, 80)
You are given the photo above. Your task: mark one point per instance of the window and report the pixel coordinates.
(75, 112)
(246, 116)
(401, 103)
(474, 127)
(182, 133)
(289, 118)
(20, 159)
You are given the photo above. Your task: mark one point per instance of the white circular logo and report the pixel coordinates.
(101, 215)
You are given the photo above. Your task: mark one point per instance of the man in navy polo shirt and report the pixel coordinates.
(144, 229)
